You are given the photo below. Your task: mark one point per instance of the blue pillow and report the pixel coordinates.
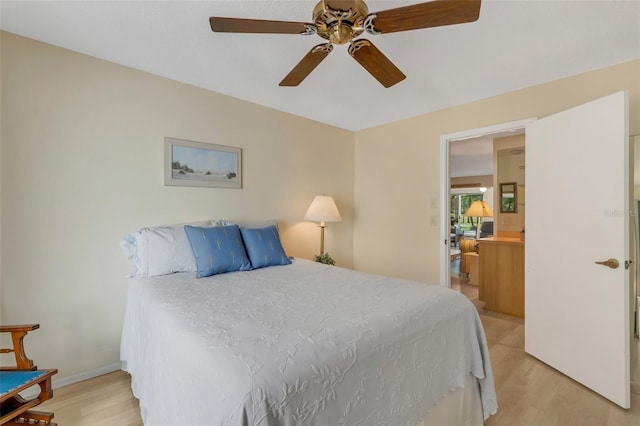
(264, 247)
(217, 250)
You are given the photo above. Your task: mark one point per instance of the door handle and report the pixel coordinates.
(611, 263)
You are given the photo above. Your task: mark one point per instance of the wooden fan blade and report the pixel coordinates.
(239, 25)
(374, 61)
(310, 61)
(425, 15)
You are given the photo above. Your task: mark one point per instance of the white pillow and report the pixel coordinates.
(243, 224)
(160, 250)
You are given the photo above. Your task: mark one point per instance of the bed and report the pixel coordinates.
(304, 344)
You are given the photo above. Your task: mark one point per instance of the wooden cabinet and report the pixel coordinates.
(502, 275)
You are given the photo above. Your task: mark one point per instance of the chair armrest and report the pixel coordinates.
(24, 327)
(17, 335)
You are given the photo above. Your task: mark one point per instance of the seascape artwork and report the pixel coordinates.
(201, 164)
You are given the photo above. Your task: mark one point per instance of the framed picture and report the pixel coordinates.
(189, 163)
(509, 197)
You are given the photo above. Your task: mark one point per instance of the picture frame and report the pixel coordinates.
(509, 197)
(189, 163)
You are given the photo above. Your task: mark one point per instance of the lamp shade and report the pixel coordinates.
(323, 209)
(479, 209)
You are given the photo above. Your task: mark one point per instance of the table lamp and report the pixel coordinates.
(323, 209)
(479, 209)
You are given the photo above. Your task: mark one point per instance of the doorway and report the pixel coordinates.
(546, 135)
(446, 142)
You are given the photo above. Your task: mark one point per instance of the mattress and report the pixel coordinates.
(301, 344)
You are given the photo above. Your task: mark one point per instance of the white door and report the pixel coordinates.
(577, 200)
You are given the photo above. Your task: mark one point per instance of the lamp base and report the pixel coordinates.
(322, 226)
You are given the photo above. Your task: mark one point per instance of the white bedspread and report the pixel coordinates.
(302, 344)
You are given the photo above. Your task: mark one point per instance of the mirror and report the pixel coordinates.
(508, 197)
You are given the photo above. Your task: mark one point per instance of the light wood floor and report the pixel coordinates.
(529, 392)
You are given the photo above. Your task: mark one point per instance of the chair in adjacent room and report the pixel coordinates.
(467, 245)
(14, 408)
(456, 235)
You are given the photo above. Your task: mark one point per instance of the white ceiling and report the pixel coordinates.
(471, 157)
(474, 156)
(514, 44)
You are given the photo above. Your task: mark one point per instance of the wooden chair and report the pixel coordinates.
(14, 409)
(466, 245)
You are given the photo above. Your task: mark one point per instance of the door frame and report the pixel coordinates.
(445, 186)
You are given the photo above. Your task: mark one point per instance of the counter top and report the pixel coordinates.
(502, 240)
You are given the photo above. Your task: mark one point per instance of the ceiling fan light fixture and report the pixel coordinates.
(340, 33)
(337, 25)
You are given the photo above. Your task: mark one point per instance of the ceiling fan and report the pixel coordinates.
(342, 21)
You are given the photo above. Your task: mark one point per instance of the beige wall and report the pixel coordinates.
(82, 165)
(398, 165)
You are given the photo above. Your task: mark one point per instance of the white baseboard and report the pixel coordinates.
(86, 375)
(55, 384)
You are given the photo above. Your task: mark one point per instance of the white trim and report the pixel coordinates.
(86, 375)
(445, 183)
(55, 384)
